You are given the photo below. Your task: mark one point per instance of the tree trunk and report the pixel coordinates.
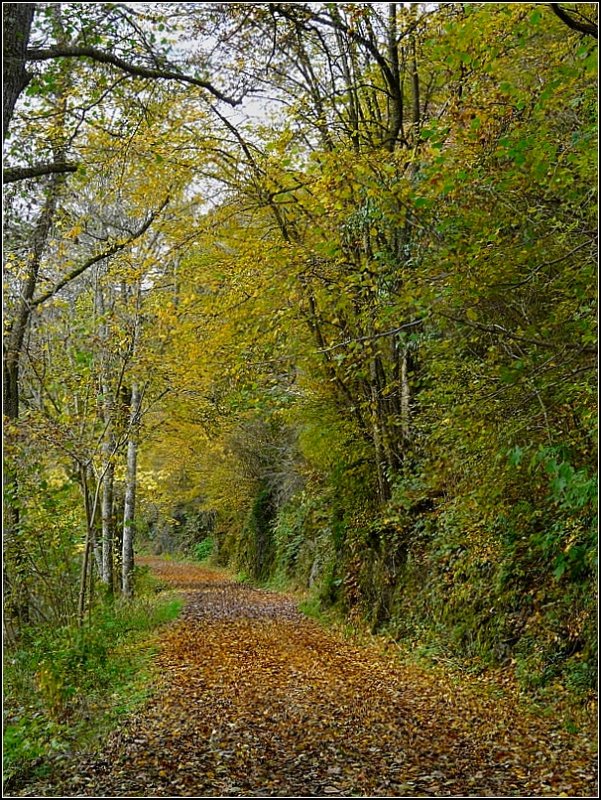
(118, 513)
(85, 564)
(353, 104)
(109, 406)
(108, 526)
(395, 121)
(95, 522)
(18, 327)
(405, 396)
(16, 24)
(127, 565)
(415, 76)
(382, 461)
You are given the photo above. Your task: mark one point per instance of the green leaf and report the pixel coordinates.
(515, 455)
(561, 566)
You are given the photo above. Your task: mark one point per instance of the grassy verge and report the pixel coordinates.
(65, 687)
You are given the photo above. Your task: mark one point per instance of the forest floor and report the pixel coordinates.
(255, 700)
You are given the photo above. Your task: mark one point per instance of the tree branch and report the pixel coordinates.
(305, 15)
(13, 174)
(45, 54)
(499, 330)
(542, 265)
(110, 251)
(373, 336)
(588, 28)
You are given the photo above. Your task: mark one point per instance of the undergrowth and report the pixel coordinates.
(64, 687)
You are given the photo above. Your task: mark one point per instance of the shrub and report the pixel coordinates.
(204, 549)
(63, 684)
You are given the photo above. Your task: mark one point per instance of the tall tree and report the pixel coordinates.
(16, 28)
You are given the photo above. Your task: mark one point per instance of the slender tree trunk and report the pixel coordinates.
(108, 525)
(83, 582)
(405, 396)
(118, 513)
(127, 565)
(108, 452)
(395, 87)
(81, 604)
(378, 435)
(353, 104)
(415, 76)
(18, 327)
(95, 522)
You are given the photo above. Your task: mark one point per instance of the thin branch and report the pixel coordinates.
(499, 330)
(115, 248)
(542, 265)
(372, 336)
(42, 54)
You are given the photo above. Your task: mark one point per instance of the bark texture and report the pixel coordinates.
(16, 28)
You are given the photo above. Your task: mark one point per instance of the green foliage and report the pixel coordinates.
(256, 547)
(373, 372)
(204, 549)
(66, 685)
(47, 544)
(290, 534)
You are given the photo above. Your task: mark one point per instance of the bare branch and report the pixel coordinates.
(46, 54)
(110, 251)
(499, 330)
(542, 265)
(373, 336)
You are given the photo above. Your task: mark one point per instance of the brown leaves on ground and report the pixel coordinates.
(256, 700)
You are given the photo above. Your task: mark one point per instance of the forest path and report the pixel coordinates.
(257, 700)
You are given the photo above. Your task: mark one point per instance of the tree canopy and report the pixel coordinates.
(315, 281)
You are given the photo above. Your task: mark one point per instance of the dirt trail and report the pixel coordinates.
(256, 700)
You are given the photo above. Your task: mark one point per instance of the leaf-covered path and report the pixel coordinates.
(256, 700)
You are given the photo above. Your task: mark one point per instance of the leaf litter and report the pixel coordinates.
(254, 699)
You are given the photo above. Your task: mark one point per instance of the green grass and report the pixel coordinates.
(64, 688)
(311, 607)
(278, 583)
